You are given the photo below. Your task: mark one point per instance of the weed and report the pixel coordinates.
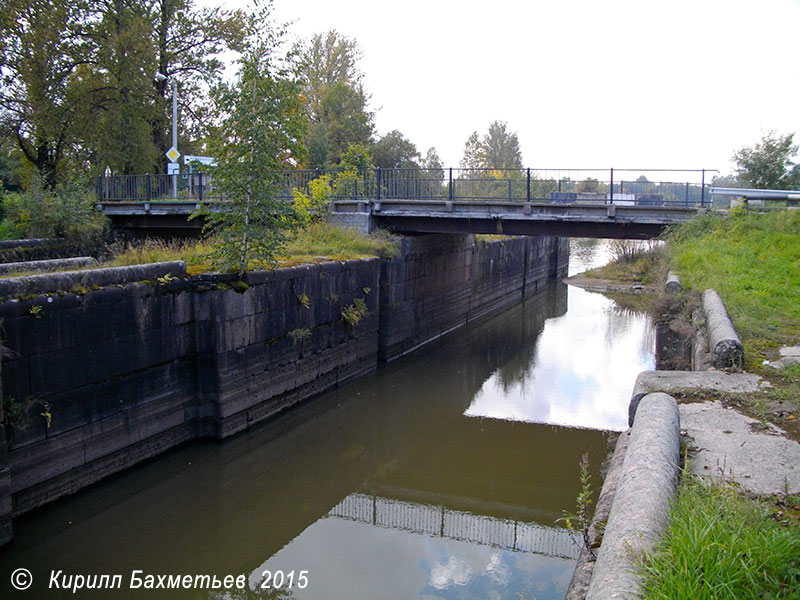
(581, 520)
(353, 313)
(298, 335)
(239, 286)
(303, 300)
(47, 414)
(36, 311)
(166, 279)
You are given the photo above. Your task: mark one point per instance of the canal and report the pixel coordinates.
(440, 476)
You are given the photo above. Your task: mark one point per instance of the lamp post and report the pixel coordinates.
(174, 149)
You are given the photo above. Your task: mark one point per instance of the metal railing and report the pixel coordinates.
(634, 187)
(194, 187)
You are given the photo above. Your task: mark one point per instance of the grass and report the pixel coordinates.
(634, 261)
(318, 242)
(721, 544)
(753, 261)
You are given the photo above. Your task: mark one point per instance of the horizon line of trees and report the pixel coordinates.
(79, 93)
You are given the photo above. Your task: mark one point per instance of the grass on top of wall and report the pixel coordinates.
(316, 243)
(721, 544)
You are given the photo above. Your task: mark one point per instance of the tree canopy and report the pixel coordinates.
(78, 90)
(336, 98)
(769, 164)
(498, 148)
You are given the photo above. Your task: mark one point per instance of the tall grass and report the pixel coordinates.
(319, 241)
(753, 261)
(723, 545)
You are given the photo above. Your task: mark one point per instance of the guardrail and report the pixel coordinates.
(632, 187)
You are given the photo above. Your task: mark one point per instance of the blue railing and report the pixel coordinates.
(641, 187)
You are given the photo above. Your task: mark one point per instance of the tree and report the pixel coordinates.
(44, 49)
(769, 164)
(189, 42)
(77, 78)
(336, 98)
(261, 133)
(501, 147)
(394, 150)
(474, 153)
(497, 149)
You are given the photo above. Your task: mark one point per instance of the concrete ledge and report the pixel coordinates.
(673, 382)
(639, 515)
(29, 243)
(15, 287)
(723, 341)
(56, 264)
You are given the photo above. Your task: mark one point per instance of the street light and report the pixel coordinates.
(176, 154)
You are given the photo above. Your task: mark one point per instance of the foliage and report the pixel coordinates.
(357, 157)
(77, 79)
(336, 98)
(323, 239)
(753, 261)
(261, 130)
(68, 212)
(353, 313)
(582, 519)
(497, 149)
(314, 205)
(320, 241)
(297, 336)
(394, 150)
(722, 545)
(768, 164)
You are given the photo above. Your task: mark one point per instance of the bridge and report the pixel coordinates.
(613, 203)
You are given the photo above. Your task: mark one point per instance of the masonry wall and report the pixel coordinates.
(440, 282)
(100, 377)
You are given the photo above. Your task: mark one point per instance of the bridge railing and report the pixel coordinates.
(640, 187)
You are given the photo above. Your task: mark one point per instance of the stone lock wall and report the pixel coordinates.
(106, 368)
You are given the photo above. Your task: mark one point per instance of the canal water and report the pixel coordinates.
(441, 476)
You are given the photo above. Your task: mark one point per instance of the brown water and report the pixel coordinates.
(437, 477)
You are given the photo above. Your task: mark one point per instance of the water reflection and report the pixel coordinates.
(581, 369)
(382, 489)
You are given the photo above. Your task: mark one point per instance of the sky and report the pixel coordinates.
(583, 83)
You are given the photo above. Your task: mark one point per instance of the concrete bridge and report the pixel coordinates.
(563, 202)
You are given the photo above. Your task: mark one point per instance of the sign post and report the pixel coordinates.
(173, 167)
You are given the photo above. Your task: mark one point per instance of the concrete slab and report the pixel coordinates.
(726, 444)
(671, 382)
(790, 355)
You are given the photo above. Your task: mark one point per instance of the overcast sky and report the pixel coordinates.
(584, 83)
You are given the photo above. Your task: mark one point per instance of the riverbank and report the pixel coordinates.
(741, 444)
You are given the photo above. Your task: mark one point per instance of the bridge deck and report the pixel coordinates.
(576, 219)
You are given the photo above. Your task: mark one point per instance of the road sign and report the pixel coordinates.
(172, 154)
(173, 168)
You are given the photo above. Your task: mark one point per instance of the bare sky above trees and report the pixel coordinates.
(679, 84)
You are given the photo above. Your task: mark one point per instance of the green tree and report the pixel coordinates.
(501, 147)
(189, 44)
(394, 150)
(336, 98)
(474, 153)
(44, 48)
(498, 148)
(261, 132)
(769, 164)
